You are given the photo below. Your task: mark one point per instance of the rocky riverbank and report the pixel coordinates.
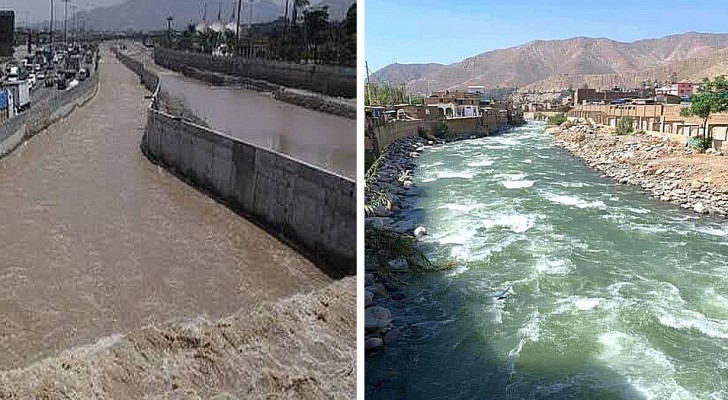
(394, 186)
(668, 170)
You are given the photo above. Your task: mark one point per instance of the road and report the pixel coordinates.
(96, 240)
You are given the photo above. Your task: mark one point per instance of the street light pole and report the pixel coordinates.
(65, 23)
(169, 31)
(237, 31)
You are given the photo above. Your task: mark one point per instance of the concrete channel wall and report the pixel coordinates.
(149, 79)
(311, 209)
(42, 114)
(328, 79)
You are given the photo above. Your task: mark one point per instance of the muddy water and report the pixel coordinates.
(321, 139)
(95, 240)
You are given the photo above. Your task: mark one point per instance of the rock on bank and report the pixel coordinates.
(668, 170)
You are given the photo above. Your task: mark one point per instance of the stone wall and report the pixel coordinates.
(309, 208)
(327, 79)
(42, 114)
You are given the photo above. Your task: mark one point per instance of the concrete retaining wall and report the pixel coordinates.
(327, 79)
(311, 209)
(42, 114)
(148, 78)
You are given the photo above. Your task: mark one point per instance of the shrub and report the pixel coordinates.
(557, 119)
(422, 132)
(699, 143)
(624, 126)
(441, 130)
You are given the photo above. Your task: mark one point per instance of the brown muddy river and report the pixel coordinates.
(321, 139)
(97, 241)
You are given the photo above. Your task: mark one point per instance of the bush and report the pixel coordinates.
(557, 119)
(699, 143)
(422, 132)
(441, 130)
(624, 126)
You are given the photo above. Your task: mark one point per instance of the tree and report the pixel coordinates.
(673, 77)
(316, 23)
(710, 98)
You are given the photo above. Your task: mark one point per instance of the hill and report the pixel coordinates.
(146, 15)
(555, 63)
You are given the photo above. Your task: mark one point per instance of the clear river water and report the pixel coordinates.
(614, 295)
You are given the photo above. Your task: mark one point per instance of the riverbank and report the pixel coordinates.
(388, 191)
(392, 251)
(667, 170)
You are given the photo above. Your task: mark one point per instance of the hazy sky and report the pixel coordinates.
(40, 10)
(421, 31)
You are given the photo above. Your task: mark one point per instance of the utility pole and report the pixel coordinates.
(74, 30)
(237, 30)
(169, 30)
(51, 39)
(65, 23)
(369, 92)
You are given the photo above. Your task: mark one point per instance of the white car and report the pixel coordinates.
(32, 79)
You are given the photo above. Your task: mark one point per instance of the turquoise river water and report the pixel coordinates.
(614, 295)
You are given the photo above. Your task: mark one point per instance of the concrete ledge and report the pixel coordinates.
(308, 208)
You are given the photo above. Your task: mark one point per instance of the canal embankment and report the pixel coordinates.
(309, 208)
(325, 88)
(667, 170)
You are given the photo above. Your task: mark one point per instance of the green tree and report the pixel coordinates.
(710, 98)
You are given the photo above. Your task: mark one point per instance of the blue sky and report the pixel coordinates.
(421, 31)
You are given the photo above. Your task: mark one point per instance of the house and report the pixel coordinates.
(455, 104)
(681, 89)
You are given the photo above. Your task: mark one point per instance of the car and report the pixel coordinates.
(41, 76)
(62, 84)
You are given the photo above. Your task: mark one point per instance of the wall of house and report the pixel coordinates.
(327, 79)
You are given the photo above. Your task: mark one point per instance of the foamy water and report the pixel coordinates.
(613, 295)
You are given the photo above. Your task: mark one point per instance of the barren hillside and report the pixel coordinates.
(595, 61)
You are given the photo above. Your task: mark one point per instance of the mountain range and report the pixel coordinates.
(149, 15)
(553, 65)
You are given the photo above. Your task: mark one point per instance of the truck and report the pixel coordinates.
(20, 93)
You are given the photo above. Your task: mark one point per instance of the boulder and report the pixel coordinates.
(368, 298)
(376, 318)
(373, 343)
(391, 336)
(700, 208)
